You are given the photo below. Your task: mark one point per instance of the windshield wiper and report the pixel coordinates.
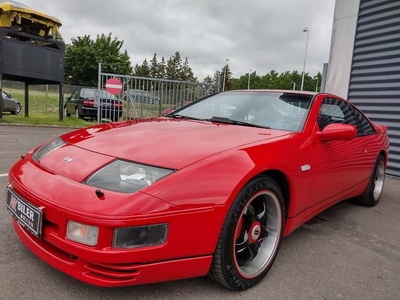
(177, 116)
(235, 122)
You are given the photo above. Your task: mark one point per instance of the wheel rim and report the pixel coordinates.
(379, 179)
(65, 111)
(257, 234)
(18, 109)
(76, 113)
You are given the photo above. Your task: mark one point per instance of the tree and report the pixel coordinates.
(242, 82)
(174, 65)
(154, 67)
(186, 72)
(83, 55)
(57, 36)
(143, 70)
(162, 68)
(226, 75)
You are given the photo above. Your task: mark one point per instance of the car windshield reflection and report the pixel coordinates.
(275, 110)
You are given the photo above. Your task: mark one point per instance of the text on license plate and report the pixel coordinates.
(26, 214)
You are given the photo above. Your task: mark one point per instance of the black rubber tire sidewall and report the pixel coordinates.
(223, 269)
(367, 198)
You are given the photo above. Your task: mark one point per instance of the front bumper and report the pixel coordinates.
(187, 252)
(114, 274)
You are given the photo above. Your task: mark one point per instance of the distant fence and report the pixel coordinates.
(142, 97)
(152, 97)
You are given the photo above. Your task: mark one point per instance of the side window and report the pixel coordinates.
(335, 111)
(364, 126)
(75, 95)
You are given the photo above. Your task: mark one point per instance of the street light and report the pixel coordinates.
(248, 82)
(305, 57)
(223, 83)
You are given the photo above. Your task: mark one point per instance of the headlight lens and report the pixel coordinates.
(47, 148)
(81, 233)
(126, 177)
(142, 236)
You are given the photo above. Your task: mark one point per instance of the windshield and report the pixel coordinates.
(276, 110)
(91, 93)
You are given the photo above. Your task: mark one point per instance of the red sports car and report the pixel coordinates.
(195, 192)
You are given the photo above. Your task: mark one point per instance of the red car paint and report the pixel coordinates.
(212, 162)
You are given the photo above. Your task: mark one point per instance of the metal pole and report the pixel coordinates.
(248, 82)
(26, 99)
(223, 83)
(47, 97)
(305, 57)
(98, 93)
(61, 101)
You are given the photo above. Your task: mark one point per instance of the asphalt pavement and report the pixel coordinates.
(347, 252)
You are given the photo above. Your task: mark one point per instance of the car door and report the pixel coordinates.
(72, 101)
(8, 102)
(337, 165)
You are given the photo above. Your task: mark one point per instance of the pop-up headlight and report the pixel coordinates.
(126, 177)
(47, 148)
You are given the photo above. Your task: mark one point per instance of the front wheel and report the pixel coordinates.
(17, 110)
(251, 235)
(374, 189)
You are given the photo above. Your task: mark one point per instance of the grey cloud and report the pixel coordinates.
(255, 34)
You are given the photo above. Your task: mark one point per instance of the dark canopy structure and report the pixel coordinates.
(33, 60)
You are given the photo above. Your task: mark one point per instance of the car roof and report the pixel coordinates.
(277, 91)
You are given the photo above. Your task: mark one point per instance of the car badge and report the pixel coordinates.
(67, 159)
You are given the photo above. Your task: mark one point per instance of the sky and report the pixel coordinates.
(257, 35)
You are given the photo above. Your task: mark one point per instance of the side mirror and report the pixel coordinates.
(68, 98)
(337, 132)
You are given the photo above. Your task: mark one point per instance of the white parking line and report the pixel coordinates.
(4, 175)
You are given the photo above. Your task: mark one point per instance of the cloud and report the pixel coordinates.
(261, 35)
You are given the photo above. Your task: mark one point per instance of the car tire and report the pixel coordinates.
(376, 182)
(250, 237)
(17, 110)
(66, 114)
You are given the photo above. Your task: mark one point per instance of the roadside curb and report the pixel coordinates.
(40, 125)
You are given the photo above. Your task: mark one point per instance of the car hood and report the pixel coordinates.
(168, 143)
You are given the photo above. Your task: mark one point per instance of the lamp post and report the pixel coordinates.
(223, 83)
(248, 82)
(305, 57)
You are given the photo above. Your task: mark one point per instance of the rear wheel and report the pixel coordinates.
(77, 113)
(66, 114)
(374, 189)
(250, 237)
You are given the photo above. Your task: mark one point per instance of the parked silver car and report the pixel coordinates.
(143, 96)
(11, 105)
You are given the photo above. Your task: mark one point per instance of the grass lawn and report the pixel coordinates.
(38, 113)
(45, 111)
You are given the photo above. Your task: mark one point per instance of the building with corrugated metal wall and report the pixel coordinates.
(364, 63)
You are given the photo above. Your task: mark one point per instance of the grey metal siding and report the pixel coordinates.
(375, 73)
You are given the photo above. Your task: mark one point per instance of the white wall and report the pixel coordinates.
(342, 46)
